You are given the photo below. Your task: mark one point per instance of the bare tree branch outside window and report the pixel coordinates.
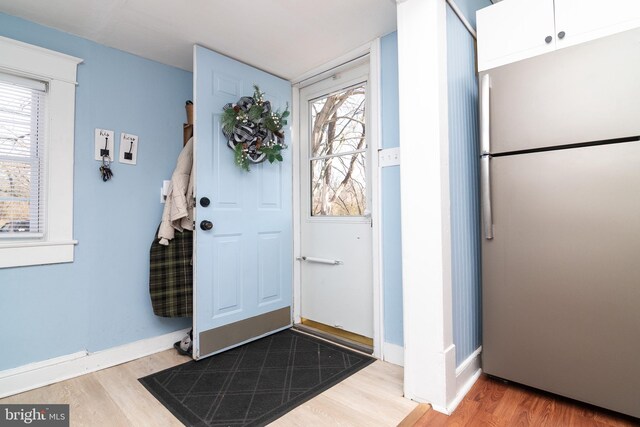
(338, 159)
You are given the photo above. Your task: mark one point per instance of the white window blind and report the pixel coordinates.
(22, 157)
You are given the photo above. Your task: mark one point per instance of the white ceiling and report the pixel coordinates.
(284, 37)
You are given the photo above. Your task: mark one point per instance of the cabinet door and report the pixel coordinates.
(513, 30)
(584, 20)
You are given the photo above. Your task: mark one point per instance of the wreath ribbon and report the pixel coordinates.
(250, 133)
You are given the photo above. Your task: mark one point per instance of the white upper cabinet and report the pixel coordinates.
(584, 20)
(513, 30)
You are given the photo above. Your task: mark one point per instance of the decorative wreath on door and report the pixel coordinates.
(253, 130)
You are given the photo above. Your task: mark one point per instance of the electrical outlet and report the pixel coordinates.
(128, 148)
(104, 144)
(389, 157)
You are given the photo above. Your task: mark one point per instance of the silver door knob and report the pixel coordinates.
(548, 39)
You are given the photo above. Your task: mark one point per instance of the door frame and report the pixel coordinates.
(372, 51)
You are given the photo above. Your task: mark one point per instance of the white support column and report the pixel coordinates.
(429, 355)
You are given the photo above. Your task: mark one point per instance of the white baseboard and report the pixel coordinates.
(393, 353)
(466, 376)
(35, 375)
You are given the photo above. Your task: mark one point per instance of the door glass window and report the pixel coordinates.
(338, 153)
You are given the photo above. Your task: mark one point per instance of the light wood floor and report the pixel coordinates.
(114, 397)
(491, 402)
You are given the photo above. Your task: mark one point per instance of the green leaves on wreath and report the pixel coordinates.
(241, 157)
(276, 120)
(273, 153)
(255, 112)
(229, 120)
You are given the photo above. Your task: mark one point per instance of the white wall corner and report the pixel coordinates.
(466, 376)
(393, 353)
(431, 379)
(426, 233)
(39, 374)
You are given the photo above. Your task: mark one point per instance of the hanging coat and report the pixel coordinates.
(171, 266)
(171, 276)
(178, 208)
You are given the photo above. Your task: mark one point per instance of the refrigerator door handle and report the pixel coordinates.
(485, 189)
(485, 123)
(485, 150)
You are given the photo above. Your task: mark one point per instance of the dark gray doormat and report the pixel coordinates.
(254, 384)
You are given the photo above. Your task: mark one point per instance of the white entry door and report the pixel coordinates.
(336, 228)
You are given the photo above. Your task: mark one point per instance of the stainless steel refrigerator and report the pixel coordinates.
(560, 184)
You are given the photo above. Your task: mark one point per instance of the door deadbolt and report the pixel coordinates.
(204, 202)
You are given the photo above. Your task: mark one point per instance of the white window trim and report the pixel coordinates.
(59, 71)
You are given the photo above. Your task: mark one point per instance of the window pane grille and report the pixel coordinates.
(22, 157)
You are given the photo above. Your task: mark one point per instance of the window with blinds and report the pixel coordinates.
(22, 157)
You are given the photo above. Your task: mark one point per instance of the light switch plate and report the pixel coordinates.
(389, 157)
(128, 148)
(104, 141)
(164, 190)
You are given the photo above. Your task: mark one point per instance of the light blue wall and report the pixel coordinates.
(101, 300)
(469, 8)
(463, 176)
(390, 195)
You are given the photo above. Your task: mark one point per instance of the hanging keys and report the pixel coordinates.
(105, 170)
